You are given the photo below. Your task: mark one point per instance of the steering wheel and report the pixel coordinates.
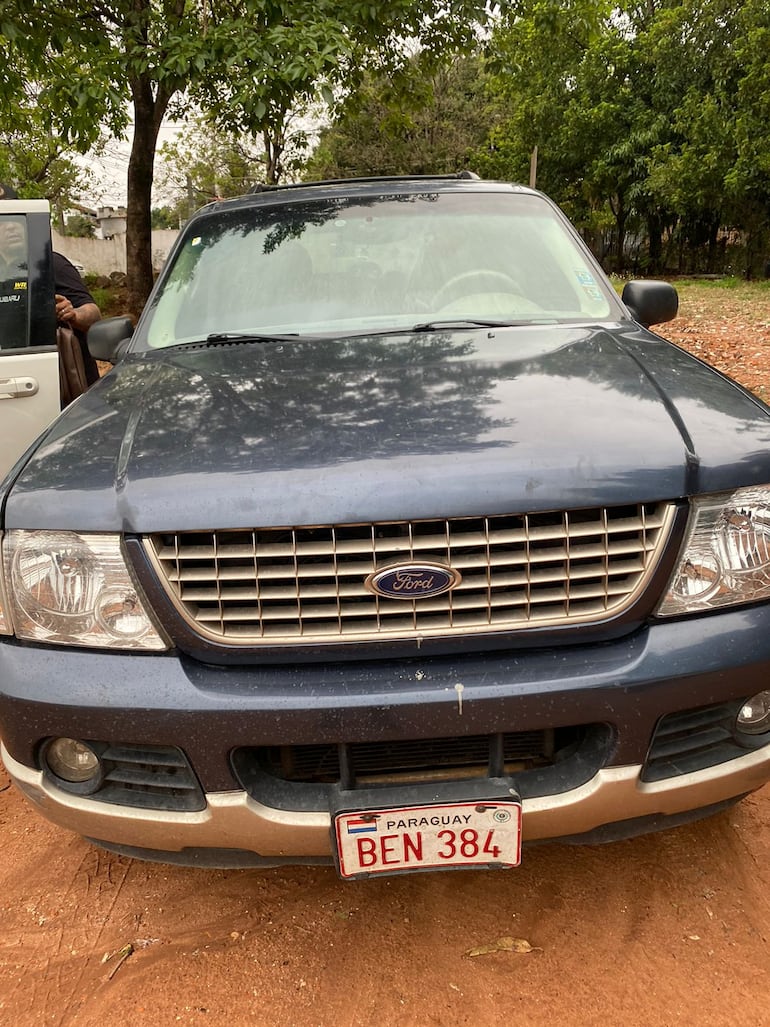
(449, 289)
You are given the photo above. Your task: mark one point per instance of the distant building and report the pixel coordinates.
(111, 221)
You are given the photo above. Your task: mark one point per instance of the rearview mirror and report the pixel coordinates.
(651, 303)
(108, 339)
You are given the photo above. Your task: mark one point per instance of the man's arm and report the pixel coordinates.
(80, 318)
(74, 303)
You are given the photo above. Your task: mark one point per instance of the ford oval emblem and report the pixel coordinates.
(413, 581)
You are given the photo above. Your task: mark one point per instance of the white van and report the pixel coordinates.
(30, 387)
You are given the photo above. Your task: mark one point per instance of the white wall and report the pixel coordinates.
(103, 256)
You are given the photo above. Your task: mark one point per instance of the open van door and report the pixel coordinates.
(29, 362)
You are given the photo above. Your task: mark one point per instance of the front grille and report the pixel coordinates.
(539, 762)
(279, 586)
(694, 740)
(409, 761)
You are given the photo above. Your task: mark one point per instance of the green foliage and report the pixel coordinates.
(651, 117)
(34, 157)
(250, 62)
(80, 226)
(102, 296)
(422, 121)
(164, 217)
(206, 162)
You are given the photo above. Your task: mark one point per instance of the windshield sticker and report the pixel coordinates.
(592, 292)
(585, 277)
(196, 241)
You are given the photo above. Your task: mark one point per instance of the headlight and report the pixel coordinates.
(72, 589)
(726, 555)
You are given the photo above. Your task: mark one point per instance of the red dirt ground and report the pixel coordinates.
(661, 930)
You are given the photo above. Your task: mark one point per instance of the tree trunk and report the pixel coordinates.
(148, 115)
(620, 253)
(655, 242)
(271, 158)
(755, 246)
(618, 208)
(671, 233)
(274, 142)
(711, 252)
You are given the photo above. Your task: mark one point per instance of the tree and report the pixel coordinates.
(205, 162)
(651, 116)
(164, 217)
(576, 81)
(747, 181)
(248, 59)
(537, 55)
(426, 121)
(35, 158)
(80, 226)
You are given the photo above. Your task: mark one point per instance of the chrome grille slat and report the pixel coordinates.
(360, 569)
(581, 577)
(433, 541)
(284, 585)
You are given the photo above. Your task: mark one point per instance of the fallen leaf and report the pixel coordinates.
(502, 945)
(122, 955)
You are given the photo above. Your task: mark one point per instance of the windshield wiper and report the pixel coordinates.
(437, 326)
(221, 338)
(230, 338)
(460, 324)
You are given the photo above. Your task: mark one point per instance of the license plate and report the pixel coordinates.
(434, 837)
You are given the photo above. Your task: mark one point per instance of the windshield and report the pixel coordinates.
(352, 265)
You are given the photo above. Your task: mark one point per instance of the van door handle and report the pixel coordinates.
(18, 388)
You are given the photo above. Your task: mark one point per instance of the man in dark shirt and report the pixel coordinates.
(75, 308)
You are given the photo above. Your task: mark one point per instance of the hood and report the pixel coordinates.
(390, 428)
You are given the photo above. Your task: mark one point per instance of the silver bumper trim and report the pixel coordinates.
(232, 820)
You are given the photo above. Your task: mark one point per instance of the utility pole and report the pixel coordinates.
(533, 168)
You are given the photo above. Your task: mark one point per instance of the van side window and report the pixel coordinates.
(14, 281)
(27, 307)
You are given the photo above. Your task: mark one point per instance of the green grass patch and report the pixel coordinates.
(102, 297)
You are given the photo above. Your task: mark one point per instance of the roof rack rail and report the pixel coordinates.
(261, 187)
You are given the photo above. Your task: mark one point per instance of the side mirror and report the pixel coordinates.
(651, 303)
(108, 339)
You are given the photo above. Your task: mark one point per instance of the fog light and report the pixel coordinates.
(754, 715)
(72, 760)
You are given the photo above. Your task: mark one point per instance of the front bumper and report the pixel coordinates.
(628, 685)
(233, 821)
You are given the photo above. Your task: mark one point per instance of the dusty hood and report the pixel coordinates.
(397, 427)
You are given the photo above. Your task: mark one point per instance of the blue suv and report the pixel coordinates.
(393, 540)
